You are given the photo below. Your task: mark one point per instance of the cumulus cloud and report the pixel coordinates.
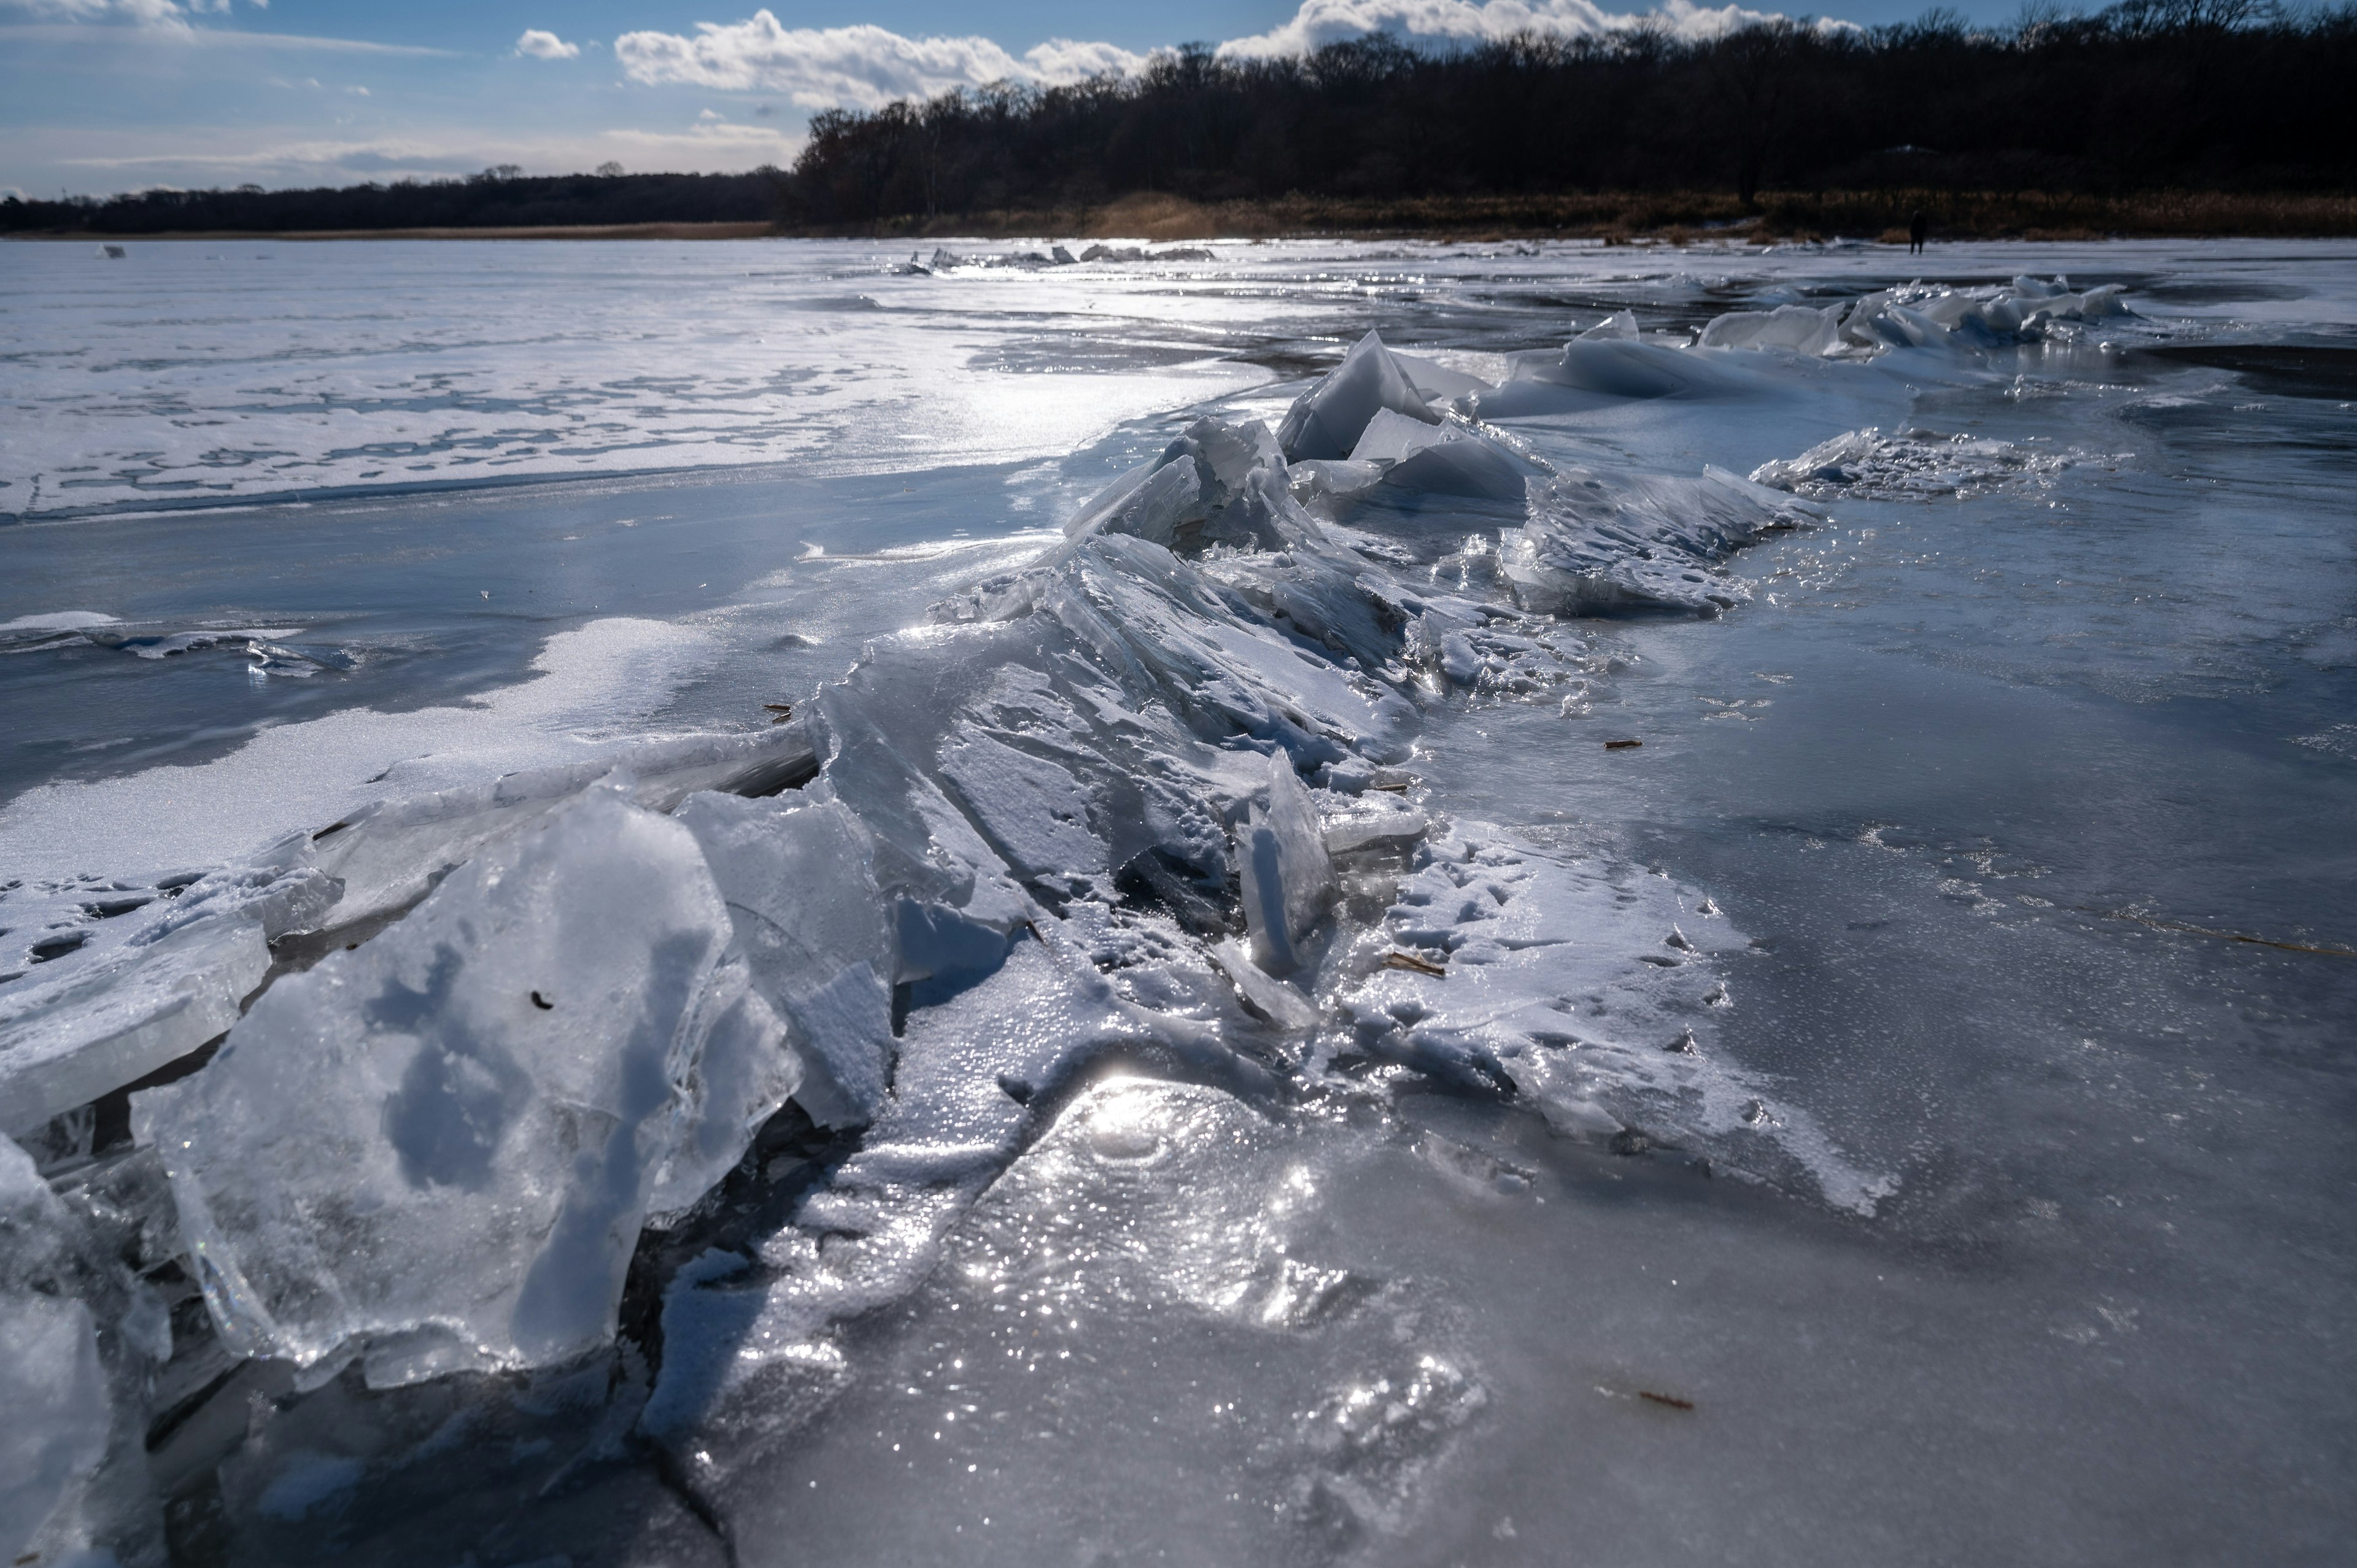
(866, 67)
(863, 67)
(1321, 22)
(540, 44)
(138, 13)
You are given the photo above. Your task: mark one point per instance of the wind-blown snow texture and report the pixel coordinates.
(726, 1043)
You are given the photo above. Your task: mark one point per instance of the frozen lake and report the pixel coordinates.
(778, 1008)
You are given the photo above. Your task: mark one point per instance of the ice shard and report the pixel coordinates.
(162, 982)
(1287, 876)
(499, 1078)
(1216, 484)
(811, 923)
(1327, 420)
(79, 1341)
(50, 1379)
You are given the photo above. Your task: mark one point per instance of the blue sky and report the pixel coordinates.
(104, 95)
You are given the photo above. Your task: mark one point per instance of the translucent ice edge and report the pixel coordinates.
(1151, 794)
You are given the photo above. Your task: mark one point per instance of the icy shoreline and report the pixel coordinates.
(1156, 794)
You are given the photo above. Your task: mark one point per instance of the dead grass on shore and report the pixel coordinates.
(1672, 216)
(1676, 217)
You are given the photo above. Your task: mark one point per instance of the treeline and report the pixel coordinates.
(2149, 94)
(499, 197)
(2182, 96)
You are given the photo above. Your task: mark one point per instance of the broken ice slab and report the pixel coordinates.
(1216, 483)
(69, 1044)
(1573, 553)
(78, 1339)
(388, 854)
(56, 1395)
(1171, 632)
(1446, 459)
(1619, 369)
(744, 1074)
(1913, 465)
(1314, 477)
(1288, 876)
(1034, 810)
(136, 998)
(1372, 821)
(1327, 420)
(1917, 316)
(1272, 998)
(1436, 382)
(497, 1079)
(153, 981)
(811, 923)
(1148, 502)
(50, 1380)
(1796, 328)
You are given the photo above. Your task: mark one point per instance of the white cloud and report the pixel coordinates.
(866, 67)
(160, 22)
(169, 15)
(1070, 59)
(162, 14)
(542, 45)
(863, 67)
(1321, 22)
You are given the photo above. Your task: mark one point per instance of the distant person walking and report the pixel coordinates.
(1918, 227)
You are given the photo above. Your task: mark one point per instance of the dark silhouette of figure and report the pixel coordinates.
(1918, 227)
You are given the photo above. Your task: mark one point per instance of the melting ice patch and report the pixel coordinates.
(590, 681)
(1914, 465)
(60, 629)
(1577, 983)
(268, 650)
(2336, 740)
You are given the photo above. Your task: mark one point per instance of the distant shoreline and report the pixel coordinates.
(1617, 217)
(548, 231)
(1612, 217)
